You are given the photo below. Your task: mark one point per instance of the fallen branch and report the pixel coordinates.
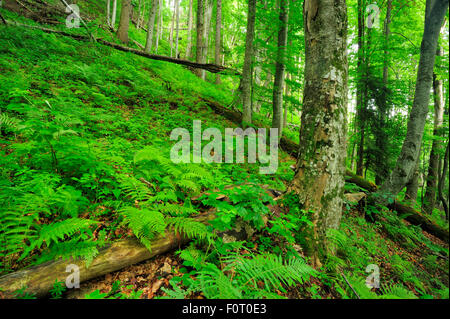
(413, 216)
(213, 68)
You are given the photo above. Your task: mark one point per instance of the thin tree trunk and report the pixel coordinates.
(200, 32)
(114, 14)
(381, 137)
(151, 26)
(280, 68)
(442, 178)
(319, 174)
(189, 34)
(159, 29)
(177, 33)
(218, 38)
(246, 80)
(432, 177)
(360, 112)
(434, 16)
(206, 30)
(108, 13)
(124, 23)
(138, 22)
(172, 25)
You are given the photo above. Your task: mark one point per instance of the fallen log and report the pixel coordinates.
(213, 68)
(39, 279)
(413, 216)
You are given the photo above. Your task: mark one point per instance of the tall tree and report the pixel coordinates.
(177, 25)
(108, 13)
(200, 33)
(151, 26)
(432, 177)
(189, 34)
(360, 88)
(434, 16)
(114, 14)
(319, 174)
(218, 38)
(381, 137)
(124, 23)
(280, 68)
(246, 79)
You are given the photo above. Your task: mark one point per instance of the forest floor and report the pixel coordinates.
(77, 115)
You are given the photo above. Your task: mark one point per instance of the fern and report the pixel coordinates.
(272, 270)
(144, 223)
(190, 228)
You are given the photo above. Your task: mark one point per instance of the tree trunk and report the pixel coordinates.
(206, 30)
(246, 80)
(200, 32)
(280, 68)
(359, 90)
(151, 26)
(124, 23)
(108, 13)
(319, 173)
(218, 46)
(138, 23)
(177, 26)
(412, 186)
(172, 25)
(159, 28)
(381, 137)
(432, 177)
(434, 16)
(442, 178)
(189, 34)
(114, 14)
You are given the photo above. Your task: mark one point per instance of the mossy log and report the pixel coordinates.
(39, 279)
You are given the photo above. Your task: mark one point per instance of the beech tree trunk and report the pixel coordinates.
(280, 68)
(434, 16)
(432, 177)
(359, 90)
(189, 33)
(200, 32)
(177, 26)
(114, 14)
(246, 80)
(151, 26)
(108, 13)
(442, 178)
(124, 23)
(218, 38)
(319, 173)
(412, 187)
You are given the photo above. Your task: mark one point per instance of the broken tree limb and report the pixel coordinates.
(412, 215)
(39, 279)
(213, 68)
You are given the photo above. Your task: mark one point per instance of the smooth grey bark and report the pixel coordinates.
(189, 34)
(246, 80)
(124, 23)
(381, 137)
(412, 186)
(177, 26)
(206, 30)
(442, 178)
(218, 38)
(404, 168)
(114, 14)
(319, 174)
(151, 26)
(108, 13)
(138, 22)
(280, 68)
(432, 176)
(159, 25)
(200, 33)
(172, 25)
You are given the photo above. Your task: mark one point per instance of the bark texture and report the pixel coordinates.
(434, 16)
(319, 174)
(246, 81)
(189, 34)
(200, 32)
(218, 38)
(124, 23)
(151, 26)
(280, 68)
(432, 177)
